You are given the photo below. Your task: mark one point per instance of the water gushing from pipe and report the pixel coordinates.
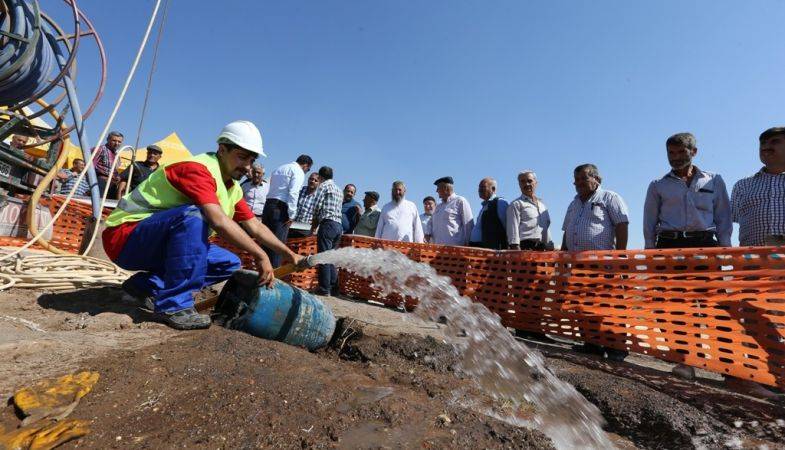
(500, 365)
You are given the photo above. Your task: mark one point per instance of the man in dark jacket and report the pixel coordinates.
(141, 170)
(490, 228)
(351, 210)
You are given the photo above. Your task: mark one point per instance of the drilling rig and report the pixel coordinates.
(39, 107)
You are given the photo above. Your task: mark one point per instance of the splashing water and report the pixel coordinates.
(503, 367)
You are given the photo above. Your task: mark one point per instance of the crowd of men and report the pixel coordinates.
(687, 207)
(124, 180)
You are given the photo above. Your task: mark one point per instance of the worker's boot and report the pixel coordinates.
(131, 294)
(185, 319)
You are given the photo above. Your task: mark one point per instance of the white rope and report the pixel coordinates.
(59, 272)
(88, 164)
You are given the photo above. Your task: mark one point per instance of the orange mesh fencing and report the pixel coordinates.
(302, 246)
(68, 229)
(720, 309)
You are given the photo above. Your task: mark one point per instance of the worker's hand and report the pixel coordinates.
(294, 258)
(265, 269)
(288, 223)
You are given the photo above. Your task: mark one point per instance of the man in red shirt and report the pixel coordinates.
(162, 228)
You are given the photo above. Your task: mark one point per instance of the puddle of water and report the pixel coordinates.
(501, 366)
(378, 435)
(364, 395)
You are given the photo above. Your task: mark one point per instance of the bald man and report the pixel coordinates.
(490, 228)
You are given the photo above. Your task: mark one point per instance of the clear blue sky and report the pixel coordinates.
(418, 90)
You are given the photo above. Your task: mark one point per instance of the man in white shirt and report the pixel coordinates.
(281, 205)
(400, 220)
(528, 219)
(452, 220)
(428, 205)
(255, 190)
(369, 219)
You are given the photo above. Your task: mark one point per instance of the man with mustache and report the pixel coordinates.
(452, 220)
(528, 218)
(161, 229)
(595, 220)
(688, 207)
(369, 220)
(758, 202)
(305, 204)
(490, 226)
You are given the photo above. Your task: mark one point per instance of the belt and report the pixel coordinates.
(275, 200)
(536, 244)
(672, 234)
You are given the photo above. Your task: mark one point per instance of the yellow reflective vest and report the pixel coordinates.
(156, 194)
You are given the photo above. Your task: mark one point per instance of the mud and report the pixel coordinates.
(225, 389)
(387, 381)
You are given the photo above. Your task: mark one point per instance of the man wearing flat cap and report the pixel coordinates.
(141, 170)
(452, 221)
(400, 220)
(366, 226)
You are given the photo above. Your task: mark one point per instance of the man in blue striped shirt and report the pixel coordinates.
(68, 178)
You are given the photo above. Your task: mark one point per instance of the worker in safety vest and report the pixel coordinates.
(162, 228)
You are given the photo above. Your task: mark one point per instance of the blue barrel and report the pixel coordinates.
(282, 313)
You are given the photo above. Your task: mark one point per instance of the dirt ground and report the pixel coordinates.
(389, 384)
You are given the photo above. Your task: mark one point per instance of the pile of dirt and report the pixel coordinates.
(220, 388)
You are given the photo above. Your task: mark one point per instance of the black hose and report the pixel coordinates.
(26, 59)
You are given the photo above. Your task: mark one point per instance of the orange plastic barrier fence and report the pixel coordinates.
(720, 309)
(304, 246)
(68, 229)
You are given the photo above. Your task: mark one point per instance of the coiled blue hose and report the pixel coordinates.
(27, 60)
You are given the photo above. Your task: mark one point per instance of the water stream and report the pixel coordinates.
(502, 367)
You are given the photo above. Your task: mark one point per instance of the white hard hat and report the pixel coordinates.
(243, 134)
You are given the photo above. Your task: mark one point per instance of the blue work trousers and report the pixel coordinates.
(327, 238)
(172, 251)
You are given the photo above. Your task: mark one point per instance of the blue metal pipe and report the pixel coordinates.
(76, 113)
